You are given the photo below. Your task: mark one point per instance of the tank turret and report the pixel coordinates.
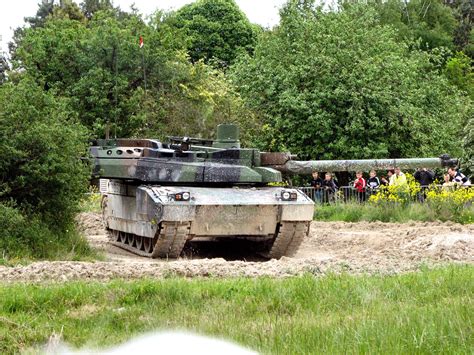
(162, 194)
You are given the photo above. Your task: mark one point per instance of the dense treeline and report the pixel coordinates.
(359, 94)
(364, 79)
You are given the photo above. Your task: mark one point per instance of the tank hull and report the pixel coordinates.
(143, 214)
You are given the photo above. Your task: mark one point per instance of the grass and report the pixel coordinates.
(430, 311)
(355, 212)
(24, 238)
(91, 202)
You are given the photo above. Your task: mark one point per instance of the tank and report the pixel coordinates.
(161, 195)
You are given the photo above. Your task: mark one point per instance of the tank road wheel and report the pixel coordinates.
(114, 235)
(171, 239)
(138, 242)
(123, 237)
(147, 245)
(288, 238)
(130, 239)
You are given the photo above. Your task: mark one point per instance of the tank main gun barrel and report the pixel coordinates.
(284, 163)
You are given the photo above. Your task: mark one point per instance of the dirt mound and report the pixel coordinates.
(390, 246)
(90, 223)
(331, 246)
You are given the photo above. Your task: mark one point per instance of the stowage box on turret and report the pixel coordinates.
(160, 195)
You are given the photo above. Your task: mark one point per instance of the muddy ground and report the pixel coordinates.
(331, 247)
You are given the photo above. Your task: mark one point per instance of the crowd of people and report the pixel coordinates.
(325, 189)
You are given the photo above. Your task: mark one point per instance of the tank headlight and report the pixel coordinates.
(289, 196)
(182, 196)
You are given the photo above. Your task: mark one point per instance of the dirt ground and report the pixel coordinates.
(330, 247)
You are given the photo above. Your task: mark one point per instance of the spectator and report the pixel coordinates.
(425, 178)
(398, 178)
(458, 178)
(390, 173)
(359, 185)
(316, 183)
(329, 188)
(373, 181)
(447, 184)
(384, 181)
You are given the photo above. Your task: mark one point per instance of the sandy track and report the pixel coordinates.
(331, 246)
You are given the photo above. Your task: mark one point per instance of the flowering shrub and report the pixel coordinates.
(447, 203)
(451, 201)
(400, 194)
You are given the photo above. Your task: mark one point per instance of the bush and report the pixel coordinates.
(452, 204)
(25, 237)
(42, 175)
(441, 204)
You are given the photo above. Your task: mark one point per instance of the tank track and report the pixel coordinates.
(288, 239)
(168, 243)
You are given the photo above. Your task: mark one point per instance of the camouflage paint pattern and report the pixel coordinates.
(151, 161)
(228, 188)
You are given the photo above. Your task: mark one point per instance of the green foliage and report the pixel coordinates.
(464, 32)
(469, 143)
(67, 9)
(340, 85)
(41, 174)
(387, 211)
(3, 69)
(459, 71)
(24, 237)
(91, 202)
(430, 21)
(217, 30)
(428, 311)
(99, 66)
(90, 7)
(45, 8)
(41, 144)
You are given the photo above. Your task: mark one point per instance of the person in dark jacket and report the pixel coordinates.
(316, 183)
(425, 178)
(329, 188)
(373, 183)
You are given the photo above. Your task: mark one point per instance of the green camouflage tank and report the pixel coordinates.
(161, 195)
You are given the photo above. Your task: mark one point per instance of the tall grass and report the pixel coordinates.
(26, 237)
(391, 212)
(431, 311)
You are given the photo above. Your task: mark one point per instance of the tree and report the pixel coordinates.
(99, 66)
(67, 9)
(217, 30)
(90, 7)
(334, 85)
(459, 71)
(45, 8)
(469, 144)
(430, 21)
(41, 172)
(464, 33)
(3, 69)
